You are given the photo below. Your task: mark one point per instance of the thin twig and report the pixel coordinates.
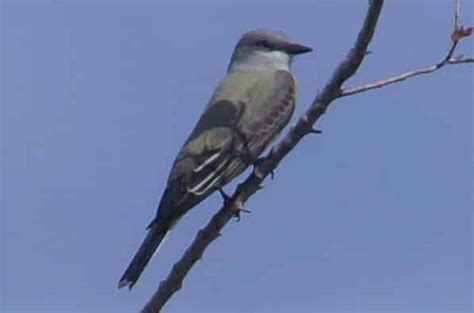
(251, 185)
(457, 15)
(457, 27)
(458, 33)
(404, 76)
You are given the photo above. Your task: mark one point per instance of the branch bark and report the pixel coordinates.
(304, 126)
(404, 76)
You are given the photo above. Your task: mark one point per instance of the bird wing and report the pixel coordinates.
(260, 125)
(245, 114)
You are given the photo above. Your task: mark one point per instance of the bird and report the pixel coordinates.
(249, 108)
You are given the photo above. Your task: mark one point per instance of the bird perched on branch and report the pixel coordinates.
(248, 109)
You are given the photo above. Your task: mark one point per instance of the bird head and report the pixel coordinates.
(262, 48)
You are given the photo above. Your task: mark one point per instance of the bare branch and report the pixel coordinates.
(459, 33)
(404, 76)
(251, 185)
(461, 59)
(457, 15)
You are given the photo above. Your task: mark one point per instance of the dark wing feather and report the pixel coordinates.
(259, 133)
(279, 111)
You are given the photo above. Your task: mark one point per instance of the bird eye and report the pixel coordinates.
(264, 43)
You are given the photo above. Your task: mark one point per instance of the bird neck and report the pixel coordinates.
(261, 60)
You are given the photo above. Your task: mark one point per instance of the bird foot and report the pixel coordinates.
(258, 173)
(237, 208)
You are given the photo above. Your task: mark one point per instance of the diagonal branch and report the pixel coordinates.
(251, 185)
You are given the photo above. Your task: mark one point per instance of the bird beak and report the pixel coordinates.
(296, 48)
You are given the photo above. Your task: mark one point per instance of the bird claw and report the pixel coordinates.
(259, 174)
(238, 210)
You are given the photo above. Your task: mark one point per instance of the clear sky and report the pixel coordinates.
(374, 215)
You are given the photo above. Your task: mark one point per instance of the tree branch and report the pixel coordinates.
(402, 77)
(332, 90)
(458, 33)
(251, 185)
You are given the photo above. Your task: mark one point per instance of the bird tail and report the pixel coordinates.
(156, 234)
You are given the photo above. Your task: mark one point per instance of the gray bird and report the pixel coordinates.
(249, 108)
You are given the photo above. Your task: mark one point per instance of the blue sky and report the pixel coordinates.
(375, 215)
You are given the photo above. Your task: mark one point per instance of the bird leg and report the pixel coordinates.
(258, 173)
(237, 208)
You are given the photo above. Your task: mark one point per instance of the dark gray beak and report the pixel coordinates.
(296, 48)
